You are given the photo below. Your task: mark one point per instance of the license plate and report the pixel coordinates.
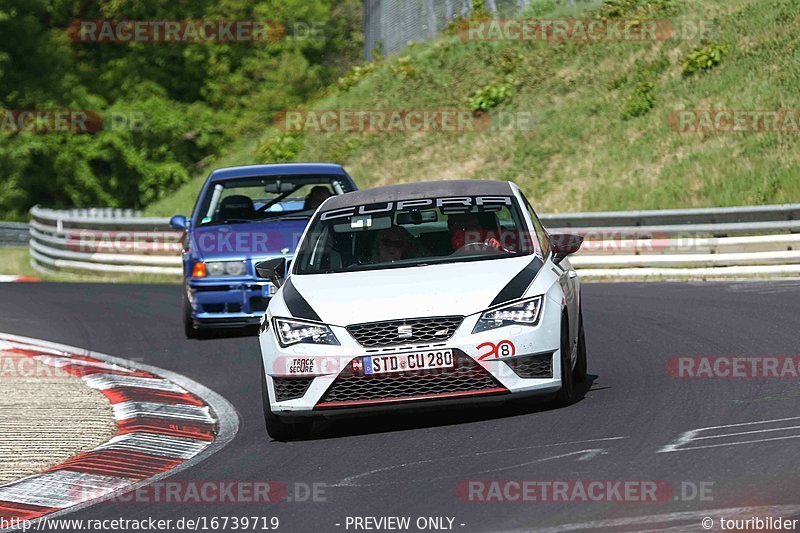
(384, 364)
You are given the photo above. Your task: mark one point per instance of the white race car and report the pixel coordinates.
(420, 294)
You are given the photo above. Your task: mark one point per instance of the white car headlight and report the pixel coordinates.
(290, 331)
(226, 268)
(524, 312)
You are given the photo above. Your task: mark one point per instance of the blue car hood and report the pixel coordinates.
(245, 241)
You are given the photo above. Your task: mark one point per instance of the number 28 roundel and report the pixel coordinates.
(504, 348)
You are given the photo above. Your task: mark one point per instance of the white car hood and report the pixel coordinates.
(435, 290)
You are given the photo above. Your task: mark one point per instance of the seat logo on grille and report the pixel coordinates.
(405, 332)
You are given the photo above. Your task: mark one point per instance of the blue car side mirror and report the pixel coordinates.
(179, 222)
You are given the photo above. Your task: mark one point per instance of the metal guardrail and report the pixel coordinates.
(103, 240)
(101, 219)
(718, 242)
(703, 218)
(14, 234)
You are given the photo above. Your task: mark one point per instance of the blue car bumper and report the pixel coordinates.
(228, 303)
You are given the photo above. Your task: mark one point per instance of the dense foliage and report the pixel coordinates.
(584, 126)
(176, 104)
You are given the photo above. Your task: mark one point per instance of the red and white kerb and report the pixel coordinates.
(17, 279)
(159, 426)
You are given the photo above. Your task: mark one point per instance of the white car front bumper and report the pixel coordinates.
(483, 370)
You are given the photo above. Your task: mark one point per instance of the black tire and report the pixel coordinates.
(566, 395)
(281, 428)
(579, 375)
(188, 323)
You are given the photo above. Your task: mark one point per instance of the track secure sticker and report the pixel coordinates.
(300, 366)
(504, 348)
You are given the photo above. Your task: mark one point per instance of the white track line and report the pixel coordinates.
(679, 444)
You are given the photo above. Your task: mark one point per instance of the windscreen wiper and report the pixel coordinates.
(291, 216)
(227, 221)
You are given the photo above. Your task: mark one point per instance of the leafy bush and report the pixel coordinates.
(640, 101)
(458, 26)
(508, 60)
(479, 10)
(280, 148)
(490, 96)
(704, 58)
(356, 74)
(405, 68)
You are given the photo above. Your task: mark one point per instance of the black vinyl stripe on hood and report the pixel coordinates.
(296, 304)
(519, 283)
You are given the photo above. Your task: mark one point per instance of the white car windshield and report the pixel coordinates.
(392, 235)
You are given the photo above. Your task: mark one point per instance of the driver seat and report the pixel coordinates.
(236, 206)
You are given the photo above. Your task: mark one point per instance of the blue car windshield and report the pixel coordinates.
(265, 198)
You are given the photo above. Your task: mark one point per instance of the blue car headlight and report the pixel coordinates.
(226, 268)
(523, 312)
(290, 331)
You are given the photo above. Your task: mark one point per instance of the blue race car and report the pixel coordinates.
(245, 215)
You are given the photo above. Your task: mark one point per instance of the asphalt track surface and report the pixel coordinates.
(411, 464)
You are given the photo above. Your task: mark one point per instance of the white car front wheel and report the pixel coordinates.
(566, 395)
